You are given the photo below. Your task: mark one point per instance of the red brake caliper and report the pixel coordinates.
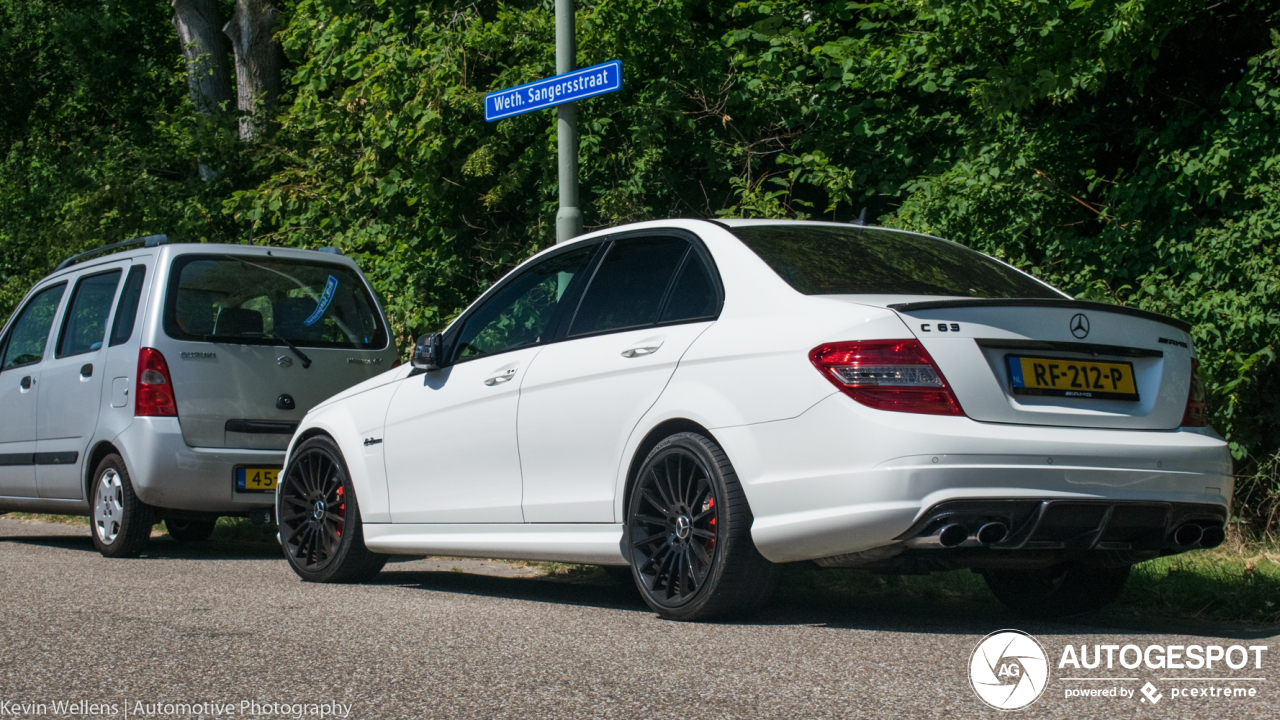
(711, 503)
(342, 510)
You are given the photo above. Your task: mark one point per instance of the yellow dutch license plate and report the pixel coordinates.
(1065, 377)
(250, 479)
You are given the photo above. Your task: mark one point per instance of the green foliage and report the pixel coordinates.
(1126, 151)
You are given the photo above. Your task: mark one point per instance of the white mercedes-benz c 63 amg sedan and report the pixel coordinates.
(701, 401)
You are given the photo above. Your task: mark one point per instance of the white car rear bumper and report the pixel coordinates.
(843, 478)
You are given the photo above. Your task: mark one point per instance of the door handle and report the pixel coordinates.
(504, 376)
(27, 382)
(641, 351)
(86, 370)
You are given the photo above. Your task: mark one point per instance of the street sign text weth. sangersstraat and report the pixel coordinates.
(552, 91)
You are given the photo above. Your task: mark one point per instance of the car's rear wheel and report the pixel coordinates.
(190, 530)
(320, 525)
(121, 522)
(1058, 591)
(689, 534)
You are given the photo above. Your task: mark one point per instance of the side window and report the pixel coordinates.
(30, 332)
(628, 289)
(521, 312)
(127, 308)
(693, 296)
(84, 326)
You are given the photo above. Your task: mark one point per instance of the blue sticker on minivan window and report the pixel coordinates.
(329, 288)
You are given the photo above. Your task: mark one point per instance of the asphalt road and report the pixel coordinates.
(223, 624)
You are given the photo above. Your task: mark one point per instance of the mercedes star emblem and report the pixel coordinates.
(683, 527)
(1080, 326)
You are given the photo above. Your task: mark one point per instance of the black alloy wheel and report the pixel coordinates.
(320, 526)
(673, 536)
(689, 533)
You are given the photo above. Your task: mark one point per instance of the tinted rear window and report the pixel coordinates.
(834, 260)
(85, 324)
(250, 299)
(628, 289)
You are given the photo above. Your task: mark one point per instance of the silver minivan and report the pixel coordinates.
(163, 382)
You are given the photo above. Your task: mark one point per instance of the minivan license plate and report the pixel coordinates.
(1064, 377)
(256, 479)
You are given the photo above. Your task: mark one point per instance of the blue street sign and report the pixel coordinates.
(552, 91)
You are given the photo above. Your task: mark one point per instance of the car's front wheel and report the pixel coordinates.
(320, 525)
(689, 534)
(1058, 591)
(121, 522)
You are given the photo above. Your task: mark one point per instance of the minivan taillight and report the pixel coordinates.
(154, 388)
(1195, 414)
(893, 375)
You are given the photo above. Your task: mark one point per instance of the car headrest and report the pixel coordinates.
(238, 321)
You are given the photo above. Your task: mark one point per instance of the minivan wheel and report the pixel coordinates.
(121, 522)
(320, 526)
(187, 531)
(1059, 591)
(688, 531)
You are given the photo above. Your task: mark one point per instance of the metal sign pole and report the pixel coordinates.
(569, 218)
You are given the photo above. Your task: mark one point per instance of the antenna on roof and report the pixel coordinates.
(862, 218)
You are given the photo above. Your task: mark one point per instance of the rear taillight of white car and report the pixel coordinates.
(1195, 414)
(893, 375)
(153, 393)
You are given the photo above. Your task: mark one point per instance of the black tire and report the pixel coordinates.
(120, 523)
(1059, 591)
(188, 530)
(688, 532)
(321, 544)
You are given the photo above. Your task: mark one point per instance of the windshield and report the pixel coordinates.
(834, 260)
(264, 300)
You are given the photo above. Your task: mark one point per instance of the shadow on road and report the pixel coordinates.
(799, 608)
(160, 548)
(591, 591)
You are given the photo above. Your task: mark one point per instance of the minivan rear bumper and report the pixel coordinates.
(168, 473)
(843, 478)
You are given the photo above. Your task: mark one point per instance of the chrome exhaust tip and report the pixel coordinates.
(1212, 536)
(947, 536)
(952, 535)
(992, 533)
(1187, 535)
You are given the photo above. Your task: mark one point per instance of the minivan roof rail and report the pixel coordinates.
(145, 241)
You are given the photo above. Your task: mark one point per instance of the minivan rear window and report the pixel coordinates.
(258, 300)
(833, 260)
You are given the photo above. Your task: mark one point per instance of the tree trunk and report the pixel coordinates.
(208, 75)
(257, 61)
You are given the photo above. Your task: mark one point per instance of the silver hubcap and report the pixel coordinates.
(318, 511)
(108, 512)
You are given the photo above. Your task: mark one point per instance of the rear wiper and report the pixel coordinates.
(306, 361)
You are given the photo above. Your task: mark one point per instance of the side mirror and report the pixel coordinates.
(428, 353)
